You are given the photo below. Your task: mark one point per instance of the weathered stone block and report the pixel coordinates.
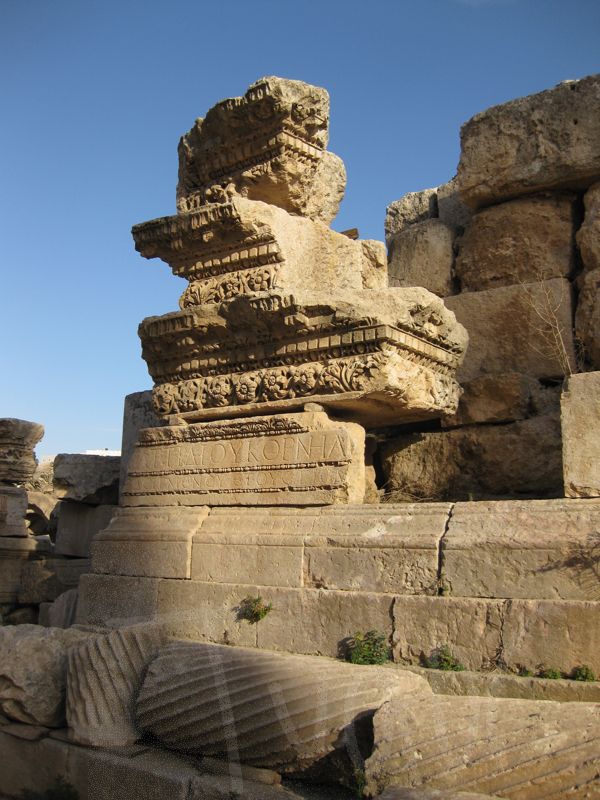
(18, 437)
(296, 459)
(525, 549)
(17, 756)
(320, 622)
(413, 207)
(268, 145)
(423, 255)
(503, 398)
(545, 141)
(451, 209)
(33, 672)
(382, 549)
(146, 542)
(580, 423)
(87, 478)
(523, 241)
(39, 582)
(78, 524)
(471, 629)
(15, 553)
(62, 612)
(588, 236)
(384, 355)
(285, 712)
(587, 318)
(520, 458)
(69, 570)
(402, 793)
(138, 413)
(207, 611)
(116, 600)
(530, 344)
(503, 747)
(13, 507)
(562, 634)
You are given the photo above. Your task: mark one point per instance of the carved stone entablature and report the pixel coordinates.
(269, 145)
(18, 437)
(276, 352)
(244, 246)
(280, 311)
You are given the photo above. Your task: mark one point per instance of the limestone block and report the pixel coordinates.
(523, 241)
(320, 622)
(423, 255)
(411, 208)
(33, 672)
(296, 459)
(116, 600)
(13, 507)
(506, 748)
(310, 621)
(562, 634)
(507, 684)
(69, 570)
(145, 774)
(62, 612)
(39, 582)
(153, 542)
(207, 611)
(492, 398)
(580, 423)
(14, 555)
(587, 317)
(388, 549)
(523, 549)
(251, 247)
(42, 511)
(239, 558)
(87, 478)
(476, 462)
(451, 209)
(268, 145)
(384, 356)
(18, 437)
(588, 236)
(537, 312)
(263, 709)
(138, 413)
(545, 141)
(104, 676)
(396, 552)
(51, 759)
(78, 524)
(471, 628)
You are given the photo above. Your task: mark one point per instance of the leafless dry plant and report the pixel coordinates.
(553, 337)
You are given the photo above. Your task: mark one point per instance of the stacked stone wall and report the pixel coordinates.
(511, 243)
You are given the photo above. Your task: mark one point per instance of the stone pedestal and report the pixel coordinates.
(292, 459)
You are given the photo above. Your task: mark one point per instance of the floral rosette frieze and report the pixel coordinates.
(266, 386)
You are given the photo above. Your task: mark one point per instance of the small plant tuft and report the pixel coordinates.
(550, 673)
(61, 789)
(524, 672)
(253, 609)
(442, 658)
(360, 782)
(368, 648)
(583, 673)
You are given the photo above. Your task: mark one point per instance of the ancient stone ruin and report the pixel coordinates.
(392, 461)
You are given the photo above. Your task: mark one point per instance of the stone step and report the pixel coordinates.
(513, 634)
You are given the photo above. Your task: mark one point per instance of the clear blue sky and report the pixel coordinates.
(95, 94)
